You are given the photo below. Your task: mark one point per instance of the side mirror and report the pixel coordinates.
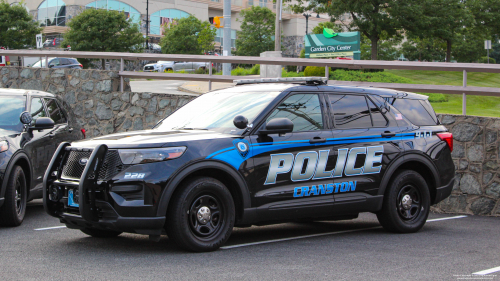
(51, 65)
(26, 118)
(278, 126)
(43, 123)
(240, 122)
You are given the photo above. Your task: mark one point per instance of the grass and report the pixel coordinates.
(452, 104)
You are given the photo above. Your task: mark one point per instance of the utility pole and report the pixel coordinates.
(147, 24)
(277, 30)
(226, 42)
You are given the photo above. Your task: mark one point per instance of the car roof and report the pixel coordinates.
(271, 87)
(21, 92)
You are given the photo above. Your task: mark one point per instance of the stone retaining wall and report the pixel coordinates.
(476, 157)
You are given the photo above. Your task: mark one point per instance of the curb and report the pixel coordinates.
(182, 89)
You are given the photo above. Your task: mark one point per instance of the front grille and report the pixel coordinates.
(111, 166)
(149, 68)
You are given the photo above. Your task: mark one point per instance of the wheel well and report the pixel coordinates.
(424, 171)
(23, 163)
(227, 180)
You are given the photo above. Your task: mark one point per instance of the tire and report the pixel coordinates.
(399, 214)
(201, 215)
(14, 208)
(167, 69)
(99, 233)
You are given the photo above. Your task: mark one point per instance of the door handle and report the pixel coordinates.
(317, 140)
(70, 130)
(387, 134)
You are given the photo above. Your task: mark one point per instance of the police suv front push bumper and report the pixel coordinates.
(91, 212)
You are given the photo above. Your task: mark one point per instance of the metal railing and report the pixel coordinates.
(349, 64)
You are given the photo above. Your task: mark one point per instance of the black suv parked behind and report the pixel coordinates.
(258, 154)
(32, 125)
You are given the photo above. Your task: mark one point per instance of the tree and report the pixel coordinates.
(372, 18)
(188, 36)
(17, 28)
(427, 49)
(101, 30)
(386, 48)
(206, 37)
(257, 31)
(322, 25)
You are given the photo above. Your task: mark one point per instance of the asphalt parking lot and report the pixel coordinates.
(449, 247)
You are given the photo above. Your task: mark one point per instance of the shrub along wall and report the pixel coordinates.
(93, 96)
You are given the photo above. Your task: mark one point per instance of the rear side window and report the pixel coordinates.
(355, 111)
(419, 112)
(55, 111)
(303, 109)
(64, 61)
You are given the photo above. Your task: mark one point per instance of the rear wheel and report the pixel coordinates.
(406, 203)
(201, 217)
(99, 233)
(14, 208)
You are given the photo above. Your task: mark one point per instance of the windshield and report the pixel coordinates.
(215, 111)
(10, 112)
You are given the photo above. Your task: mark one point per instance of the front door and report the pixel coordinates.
(291, 175)
(370, 141)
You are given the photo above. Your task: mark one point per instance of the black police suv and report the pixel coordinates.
(32, 125)
(255, 154)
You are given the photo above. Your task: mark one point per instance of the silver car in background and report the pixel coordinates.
(165, 66)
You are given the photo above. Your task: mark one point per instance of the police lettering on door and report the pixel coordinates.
(315, 168)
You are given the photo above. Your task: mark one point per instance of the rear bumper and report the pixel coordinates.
(443, 192)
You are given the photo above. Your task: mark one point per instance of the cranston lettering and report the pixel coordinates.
(321, 189)
(315, 166)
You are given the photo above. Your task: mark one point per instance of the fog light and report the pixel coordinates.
(55, 193)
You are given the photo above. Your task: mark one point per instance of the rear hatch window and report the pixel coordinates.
(419, 112)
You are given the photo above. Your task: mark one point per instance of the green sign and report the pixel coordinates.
(331, 45)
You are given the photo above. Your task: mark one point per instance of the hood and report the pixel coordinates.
(7, 133)
(151, 64)
(150, 138)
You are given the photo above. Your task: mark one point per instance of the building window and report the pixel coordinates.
(164, 19)
(52, 12)
(219, 36)
(112, 5)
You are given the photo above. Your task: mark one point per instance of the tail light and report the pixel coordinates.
(84, 133)
(81, 65)
(448, 138)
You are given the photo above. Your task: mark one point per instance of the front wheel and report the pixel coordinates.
(13, 210)
(406, 203)
(201, 217)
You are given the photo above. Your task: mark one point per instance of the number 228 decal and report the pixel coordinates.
(134, 175)
(423, 134)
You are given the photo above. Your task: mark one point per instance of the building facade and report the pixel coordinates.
(54, 15)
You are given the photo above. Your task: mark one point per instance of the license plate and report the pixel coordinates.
(71, 199)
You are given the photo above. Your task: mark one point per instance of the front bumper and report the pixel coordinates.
(94, 210)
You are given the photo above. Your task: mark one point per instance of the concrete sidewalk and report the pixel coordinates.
(201, 87)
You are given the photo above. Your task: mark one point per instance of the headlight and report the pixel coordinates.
(149, 155)
(4, 145)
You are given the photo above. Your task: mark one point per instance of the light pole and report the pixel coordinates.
(147, 24)
(307, 20)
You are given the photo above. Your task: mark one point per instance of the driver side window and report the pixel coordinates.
(304, 110)
(37, 109)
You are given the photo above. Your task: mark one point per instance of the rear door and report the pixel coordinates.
(291, 176)
(370, 141)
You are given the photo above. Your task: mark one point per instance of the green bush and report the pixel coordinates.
(383, 77)
(437, 97)
(285, 73)
(302, 53)
(291, 68)
(255, 70)
(485, 60)
(314, 71)
(201, 71)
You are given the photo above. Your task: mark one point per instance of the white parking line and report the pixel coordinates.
(322, 234)
(48, 228)
(487, 271)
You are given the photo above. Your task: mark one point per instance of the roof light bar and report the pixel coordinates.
(319, 80)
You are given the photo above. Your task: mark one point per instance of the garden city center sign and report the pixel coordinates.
(330, 45)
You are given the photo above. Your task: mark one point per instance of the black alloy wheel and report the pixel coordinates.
(206, 216)
(201, 215)
(14, 208)
(406, 203)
